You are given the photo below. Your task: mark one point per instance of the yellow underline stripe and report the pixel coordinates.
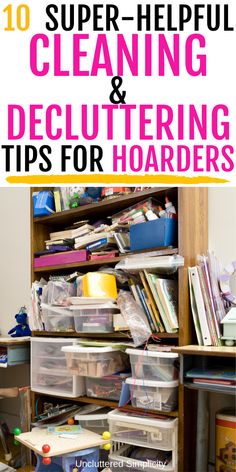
(110, 179)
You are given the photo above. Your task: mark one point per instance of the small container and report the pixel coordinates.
(96, 422)
(153, 395)
(225, 441)
(143, 432)
(152, 365)
(58, 319)
(106, 387)
(95, 362)
(153, 460)
(98, 284)
(57, 292)
(95, 319)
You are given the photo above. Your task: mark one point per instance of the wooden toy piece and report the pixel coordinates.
(46, 460)
(59, 445)
(71, 421)
(46, 448)
(107, 447)
(106, 435)
(17, 431)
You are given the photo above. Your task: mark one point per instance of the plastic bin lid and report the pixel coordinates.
(57, 309)
(97, 417)
(105, 306)
(146, 353)
(167, 422)
(88, 349)
(152, 383)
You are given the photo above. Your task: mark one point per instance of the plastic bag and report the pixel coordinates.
(135, 318)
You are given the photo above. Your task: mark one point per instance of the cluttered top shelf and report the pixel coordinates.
(105, 207)
(223, 351)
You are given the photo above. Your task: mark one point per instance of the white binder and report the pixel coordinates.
(194, 276)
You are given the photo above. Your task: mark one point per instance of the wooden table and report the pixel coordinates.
(59, 446)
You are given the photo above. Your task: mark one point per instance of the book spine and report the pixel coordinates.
(152, 279)
(145, 308)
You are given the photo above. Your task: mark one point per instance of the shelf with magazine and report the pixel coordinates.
(143, 280)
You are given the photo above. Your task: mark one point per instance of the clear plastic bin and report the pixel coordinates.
(57, 319)
(49, 373)
(94, 320)
(106, 387)
(145, 432)
(152, 365)
(56, 292)
(122, 461)
(153, 395)
(95, 362)
(98, 423)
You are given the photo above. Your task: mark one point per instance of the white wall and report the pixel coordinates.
(15, 253)
(222, 225)
(14, 282)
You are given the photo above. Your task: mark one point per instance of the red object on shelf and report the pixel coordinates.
(46, 460)
(61, 258)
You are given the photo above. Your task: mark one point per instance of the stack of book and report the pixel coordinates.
(207, 305)
(158, 298)
(215, 377)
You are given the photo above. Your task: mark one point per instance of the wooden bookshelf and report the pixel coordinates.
(192, 204)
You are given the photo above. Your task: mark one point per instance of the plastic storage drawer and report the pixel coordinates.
(144, 432)
(105, 387)
(94, 362)
(153, 395)
(57, 318)
(49, 373)
(122, 462)
(94, 320)
(96, 422)
(150, 365)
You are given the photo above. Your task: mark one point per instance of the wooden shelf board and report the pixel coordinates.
(87, 264)
(108, 207)
(116, 335)
(222, 351)
(111, 404)
(73, 334)
(209, 388)
(79, 265)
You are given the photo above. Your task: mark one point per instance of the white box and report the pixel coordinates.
(49, 373)
(94, 362)
(153, 395)
(143, 431)
(152, 365)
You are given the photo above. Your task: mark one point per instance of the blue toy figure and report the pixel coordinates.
(22, 328)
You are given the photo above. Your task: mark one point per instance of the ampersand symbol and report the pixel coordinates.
(116, 84)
